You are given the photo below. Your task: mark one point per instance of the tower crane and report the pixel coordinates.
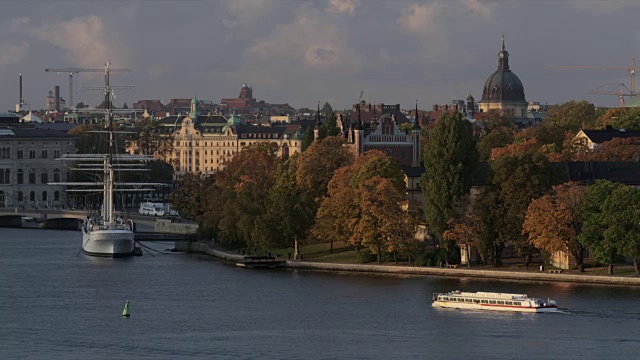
(72, 71)
(610, 89)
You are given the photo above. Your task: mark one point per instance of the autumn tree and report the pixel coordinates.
(246, 181)
(152, 140)
(318, 163)
(553, 222)
(193, 196)
(616, 149)
(450, 161)
(498, 138)
(329, 127)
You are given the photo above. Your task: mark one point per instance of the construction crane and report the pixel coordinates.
(72, 71)
(610, 89)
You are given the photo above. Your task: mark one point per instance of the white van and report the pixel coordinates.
(151, 208)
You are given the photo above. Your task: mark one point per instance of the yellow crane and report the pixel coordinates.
(72, 71)
(619, 90)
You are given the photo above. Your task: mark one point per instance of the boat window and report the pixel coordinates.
(508, 303)
(492, 301)
(500, 302)
(476, 301)
(468, 300)
(517, 303)
(483, 301)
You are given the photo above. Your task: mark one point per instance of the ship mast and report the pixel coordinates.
(107, 202)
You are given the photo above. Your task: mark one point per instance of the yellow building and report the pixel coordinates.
(203, 143)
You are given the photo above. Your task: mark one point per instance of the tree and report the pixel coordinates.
(512, 182)
(318, 163)
(307, 138)
(617, 149)
(620, 118)
(450, 161)
(327, 109)
(621, 217)
(464, 230)
(603, 248)
(498, 138)
(553, 222)
(245, 182)
(192, 197)
(152, 140)
(571, 116)
(329, 127)
(493, 120)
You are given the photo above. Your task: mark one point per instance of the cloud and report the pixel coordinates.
(13, 54)
(419, 19)
(599, 7)
(307, 38)
(478, 7)
(85, 40)
(343, 6)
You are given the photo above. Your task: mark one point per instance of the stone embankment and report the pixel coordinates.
(432, 271)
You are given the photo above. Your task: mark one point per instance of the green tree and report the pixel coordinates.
(307, 138)
(511, 185)
(498, 138)
(450, 161)
(327, 109)
(621, 217)
(329, 127)
(620, 118)
(604, 249)
(571, 116)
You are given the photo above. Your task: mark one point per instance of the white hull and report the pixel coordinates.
(491, 307)
(108, 243)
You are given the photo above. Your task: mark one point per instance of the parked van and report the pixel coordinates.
(152, 208)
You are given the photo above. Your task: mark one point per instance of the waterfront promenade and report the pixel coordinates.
(459, 272)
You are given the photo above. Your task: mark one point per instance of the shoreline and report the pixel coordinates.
(204, 248)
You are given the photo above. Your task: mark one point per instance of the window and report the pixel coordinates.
(7, 176)
(20, 154)
(44, 176)
(32, 176)
(56, 153)
(45, 154)
(20, 176)
(32, 196)
(1, 176)
(56, 196)
(32, 154)
(20, 196)
(44, 196)
(56, 175)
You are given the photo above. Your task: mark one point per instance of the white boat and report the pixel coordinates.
(492, 301)
(107, 234)
(152, 208)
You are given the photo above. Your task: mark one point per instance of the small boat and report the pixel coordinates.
(492, 301)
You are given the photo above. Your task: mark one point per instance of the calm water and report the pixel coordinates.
(54, 304)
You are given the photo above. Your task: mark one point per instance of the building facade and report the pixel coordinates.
(28, 166)
(202, 144)
(503, 90)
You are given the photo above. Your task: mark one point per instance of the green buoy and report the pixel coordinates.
(125, 311)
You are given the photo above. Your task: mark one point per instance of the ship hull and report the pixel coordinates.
(491, 307)
(108, 243)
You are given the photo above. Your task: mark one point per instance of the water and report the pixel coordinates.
(54, 305)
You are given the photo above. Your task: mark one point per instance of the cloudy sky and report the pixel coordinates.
(304, 51)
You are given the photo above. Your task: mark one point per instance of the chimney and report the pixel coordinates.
(57, 94)
(21, 98)
(435, 107)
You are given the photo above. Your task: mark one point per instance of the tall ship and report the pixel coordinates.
(493, 301)
(108, 233)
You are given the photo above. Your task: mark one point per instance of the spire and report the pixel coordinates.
(503, 57)
(416, 122)
(318, 116)
(502, 41)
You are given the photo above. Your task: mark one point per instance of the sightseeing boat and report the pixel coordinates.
(492, 301)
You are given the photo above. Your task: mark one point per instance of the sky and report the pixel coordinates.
(302, 52)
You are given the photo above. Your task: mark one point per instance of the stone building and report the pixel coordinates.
(203, 143)
(380, 129)
(27, 166)
(503, 90)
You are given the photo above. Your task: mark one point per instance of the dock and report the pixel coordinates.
(155, 236)
(260, 262)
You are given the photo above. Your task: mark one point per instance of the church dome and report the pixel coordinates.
(503, 86)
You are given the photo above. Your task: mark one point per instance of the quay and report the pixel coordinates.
(207, 248)
(260, 262)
